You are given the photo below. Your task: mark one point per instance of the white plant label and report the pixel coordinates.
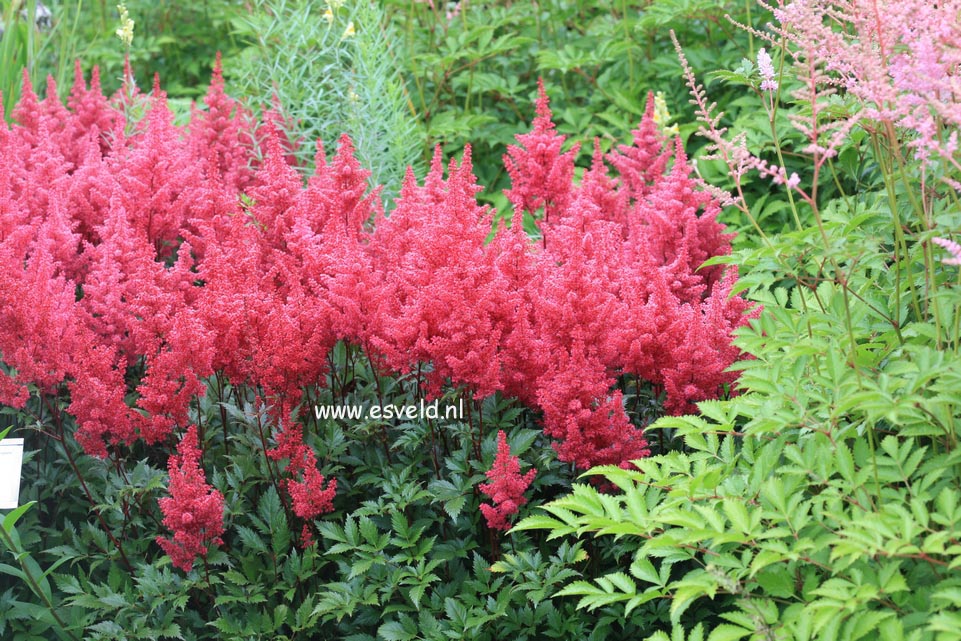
(11, 458)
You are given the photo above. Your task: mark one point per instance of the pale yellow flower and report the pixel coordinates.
(349, 31)
(329, 15)
(125, 31)
(662, 115)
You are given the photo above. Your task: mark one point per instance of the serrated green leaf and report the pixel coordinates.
(728, 632)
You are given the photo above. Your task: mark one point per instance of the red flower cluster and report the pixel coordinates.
(149, 252)
(506, 488)
(194, 511)
(310, 498)
(540, 172)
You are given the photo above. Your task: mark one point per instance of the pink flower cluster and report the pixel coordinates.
(506, 488)
(194, 511)
(157, 254)
(899, 59)
(953, 248)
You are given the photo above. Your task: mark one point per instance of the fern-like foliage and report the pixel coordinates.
(333, 71)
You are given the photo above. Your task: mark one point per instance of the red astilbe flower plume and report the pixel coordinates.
(224, 134)
(260, 318)
(588, 420)
(39, 327)
(675, 226)
(45, 338)
(158, 178)
(274, 191)
(144, 308)
(601, 190)
(194, 511)
(442, 298)
(521, 272)
(506, 488)
(258, 299)
(697, 365)
(310, 497)
(90, 109)
(331, 220)
(642, 163)
(540, 174)
(28, 112)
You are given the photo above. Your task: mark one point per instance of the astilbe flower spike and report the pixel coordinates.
(506, 488)
(897, 59)
(765, 68)
(194, 511)
(223, 134)
(310, 498)
(640, 164)
(442, 297)
(540, 173)
(953, 247)
(176, 249)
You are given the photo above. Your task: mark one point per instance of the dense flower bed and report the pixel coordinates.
(139, 258)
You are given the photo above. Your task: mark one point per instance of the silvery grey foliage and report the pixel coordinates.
(333, 69)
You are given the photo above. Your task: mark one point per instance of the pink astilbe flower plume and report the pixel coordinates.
(765, 68)
(952, 247)
(506, 488)
(898, 59)
(194, 511)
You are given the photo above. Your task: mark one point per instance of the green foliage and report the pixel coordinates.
(473, 73)
(406, 554)
(791, 535)
(821, 503)
(177, 40)
(332, 70)
(23, 43)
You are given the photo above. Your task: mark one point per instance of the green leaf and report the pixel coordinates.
(394, 631)
(12, 517)
(643, 569)
(737, 513)
(251, 539)
(776, 581)
(541, 522)
(728, 632)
